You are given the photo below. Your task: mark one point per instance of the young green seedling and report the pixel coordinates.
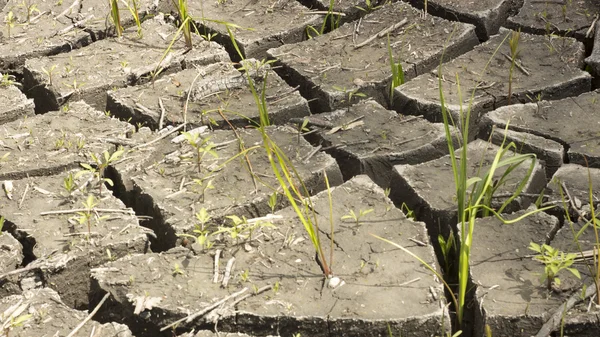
(201, 232)
(85, 216)
(302, 128)
(242, 228)
(409, 212)
(29, 9)
(356, 217)
(10, 20)
(273, 202)
(554, 262)
(2, 220)
(102, 163)
(237, 228)
(12, 318)
(7, 80)
(447, 246)
(69, 184)
(245, 276)
(177, 270)
(202, 146)
(349, 94)
(369, 6)
(201, 187)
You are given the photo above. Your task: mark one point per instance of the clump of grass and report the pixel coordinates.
(290, 184)
(474, 194)
(116, 17)
(331, 17)
(186, 22)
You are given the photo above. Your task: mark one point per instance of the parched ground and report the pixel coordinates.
(141, 196)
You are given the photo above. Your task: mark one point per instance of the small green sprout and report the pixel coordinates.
(273, 202)
(202, 147)
(177, 270)
(49, 73)
(102, 162)
(7, 80)
(356, 217)
(201, 232)
(245, 276)
(201, 187)
(85, 216)
(69, 183)
(10, 21)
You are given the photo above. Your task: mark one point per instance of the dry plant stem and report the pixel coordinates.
(99, 210)
(161, 120)
(242, 149)
(147, 110)
(89, 316)
(312, 153)
(187, 100)
(160, 138)
(204, 311)
(556, 318)
(63, 13)
(592, 28)
(517, 64)
(258, 292)
(19, 271)
(216, 266)
(23, 197)
(331, 231)
(382, 33)
(324, 13)
(77, 24)
(228, 270)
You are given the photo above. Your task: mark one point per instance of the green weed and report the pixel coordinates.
(201, 231)
(85, 216)
(102, 162)
(7, 79)
(356, 217)
(554, 262)
(202, 146)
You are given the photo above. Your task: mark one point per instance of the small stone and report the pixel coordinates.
(334, 282)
